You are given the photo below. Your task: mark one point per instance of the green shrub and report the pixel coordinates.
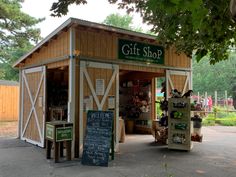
(222, 117)
(158, 108)
(226, 121)
(221, 114)
(209, 117)
(219, 108)
(231, 115)
(208, 122)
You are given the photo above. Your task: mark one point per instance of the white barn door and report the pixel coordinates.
(33, 105)
(180, 80)
(99, 84)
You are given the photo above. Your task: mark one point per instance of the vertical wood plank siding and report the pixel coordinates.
(55, 48)
(96, 44)
(103, 45)
(9, 103)
(58, 64)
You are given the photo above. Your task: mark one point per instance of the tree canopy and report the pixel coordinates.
(120, 21)
(219, 77)
(193, 26)
(17, 34)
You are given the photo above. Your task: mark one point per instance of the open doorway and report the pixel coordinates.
(161, 104)
(137, 96)
(57, 93)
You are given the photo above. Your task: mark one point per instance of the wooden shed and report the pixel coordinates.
(9, 100)
(89, 66)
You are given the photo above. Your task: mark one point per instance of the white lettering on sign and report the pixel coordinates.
(130, 49)
(150, 54)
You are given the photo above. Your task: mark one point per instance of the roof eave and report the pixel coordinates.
(114, 29)
(46, 39)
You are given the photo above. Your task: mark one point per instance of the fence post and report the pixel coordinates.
(226, 101)
(206, 102)
(198, 98)
(215, 98)
(215, 112)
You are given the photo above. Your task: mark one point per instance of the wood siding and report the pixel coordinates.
(150, 69)
(96, 44)
(178, 82)
(173, 59)
(58, 64)
(103, 45)
(9, 103)
(57, 47)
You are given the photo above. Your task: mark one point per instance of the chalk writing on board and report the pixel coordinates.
(98, 136)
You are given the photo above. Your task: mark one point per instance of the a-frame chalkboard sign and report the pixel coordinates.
(97, 142)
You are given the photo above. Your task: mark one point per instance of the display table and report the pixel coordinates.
(58, 132)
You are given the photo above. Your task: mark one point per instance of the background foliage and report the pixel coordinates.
(125, 22)
(218, 77)
(193, 26)
(17, 34)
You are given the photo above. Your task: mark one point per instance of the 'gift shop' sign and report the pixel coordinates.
(137, 51)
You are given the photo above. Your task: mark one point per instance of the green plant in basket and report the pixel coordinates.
(178, 115)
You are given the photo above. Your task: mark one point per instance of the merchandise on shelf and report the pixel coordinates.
(135, 101)
(178, 138)
(176, 114)
(179, 132)
(181, 126)
(197, 125)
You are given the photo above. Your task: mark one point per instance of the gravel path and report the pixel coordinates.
(8, 129)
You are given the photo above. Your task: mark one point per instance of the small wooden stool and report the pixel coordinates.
(58, 147)
(58, 132)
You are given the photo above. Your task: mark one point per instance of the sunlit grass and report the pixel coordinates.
(222, 118)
